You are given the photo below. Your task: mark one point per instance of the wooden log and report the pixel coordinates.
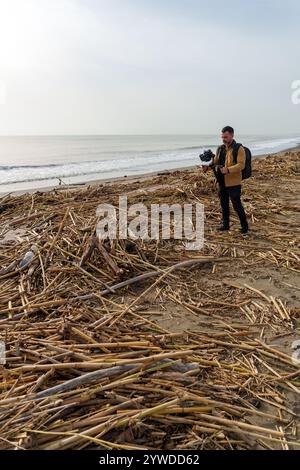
(84, 380)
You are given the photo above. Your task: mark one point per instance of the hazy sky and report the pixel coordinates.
(148, 66)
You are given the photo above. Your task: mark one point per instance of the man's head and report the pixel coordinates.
(227, 135)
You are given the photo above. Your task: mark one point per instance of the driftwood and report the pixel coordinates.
(108, 259)
(8, 269)
(97, 244)
(106, 373)
(84, 380)
(150, 275)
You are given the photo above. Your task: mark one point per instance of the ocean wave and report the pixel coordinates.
(27, 167)
(30, 173)
(121, 163)
(199, 147)
(273, 144)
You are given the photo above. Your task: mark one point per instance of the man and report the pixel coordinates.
(229, 177)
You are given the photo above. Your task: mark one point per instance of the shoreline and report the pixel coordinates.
(125, 179)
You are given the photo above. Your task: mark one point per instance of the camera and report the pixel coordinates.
(206, 158)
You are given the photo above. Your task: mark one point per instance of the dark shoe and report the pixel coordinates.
(223, 228)
(244, 230)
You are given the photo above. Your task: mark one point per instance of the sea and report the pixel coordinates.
(38, 162)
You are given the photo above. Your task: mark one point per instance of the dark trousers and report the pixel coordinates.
(232, 194)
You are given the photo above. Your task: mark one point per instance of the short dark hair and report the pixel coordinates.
(228, 129)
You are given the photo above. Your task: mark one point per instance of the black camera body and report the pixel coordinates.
(207, 158)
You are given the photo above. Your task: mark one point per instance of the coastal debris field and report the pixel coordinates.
(144, 345)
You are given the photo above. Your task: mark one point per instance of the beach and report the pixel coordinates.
(199, 352)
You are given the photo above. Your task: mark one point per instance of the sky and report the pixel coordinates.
(148, 66)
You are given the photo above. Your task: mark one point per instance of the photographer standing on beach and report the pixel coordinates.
(231, 165)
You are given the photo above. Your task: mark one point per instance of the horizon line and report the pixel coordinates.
(193, 134)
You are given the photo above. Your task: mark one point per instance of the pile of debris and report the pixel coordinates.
(143, 345)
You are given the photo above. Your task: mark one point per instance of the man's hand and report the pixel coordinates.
(224, 170)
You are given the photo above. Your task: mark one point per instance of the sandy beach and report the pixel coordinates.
(199, 354)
